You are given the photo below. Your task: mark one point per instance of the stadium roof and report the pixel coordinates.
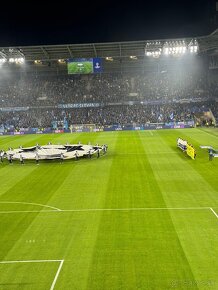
(207, 43)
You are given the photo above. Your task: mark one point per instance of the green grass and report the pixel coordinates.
(161, 233)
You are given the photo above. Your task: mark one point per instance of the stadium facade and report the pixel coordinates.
(116, 56)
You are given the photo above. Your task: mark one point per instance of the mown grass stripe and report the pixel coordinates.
(127, 241)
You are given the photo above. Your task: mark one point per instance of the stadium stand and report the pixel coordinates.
(163, 89)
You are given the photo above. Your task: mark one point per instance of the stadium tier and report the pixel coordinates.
(60, 101)
(174, 84)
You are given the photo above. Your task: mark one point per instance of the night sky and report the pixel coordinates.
(108, 21)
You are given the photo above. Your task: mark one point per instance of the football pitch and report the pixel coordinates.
(142, 216)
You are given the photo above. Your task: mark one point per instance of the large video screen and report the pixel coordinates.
(84, 65)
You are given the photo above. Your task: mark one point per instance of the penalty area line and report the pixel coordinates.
(214, 212)
(29, 261)
(40, 261)
(27, 211)
(57, 274)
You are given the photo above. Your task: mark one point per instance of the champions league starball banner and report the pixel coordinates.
(68, 151)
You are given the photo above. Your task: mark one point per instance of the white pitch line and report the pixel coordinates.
(39, 261)
(214, 212)
(57, 274)
(28, 211)
(106, 209)
(133, 209)
(30, 203)
(29, 261)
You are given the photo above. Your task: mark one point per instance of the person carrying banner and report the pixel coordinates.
(2, 156)
(37, 158)
(9, 158)
(104, 148)
(61, 157)
(21, 159)
(210, 154)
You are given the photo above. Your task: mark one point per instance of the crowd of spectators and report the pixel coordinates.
(103, 88)
(106, 115)
(122, 99)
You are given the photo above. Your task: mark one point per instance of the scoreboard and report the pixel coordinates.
(84, 65)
